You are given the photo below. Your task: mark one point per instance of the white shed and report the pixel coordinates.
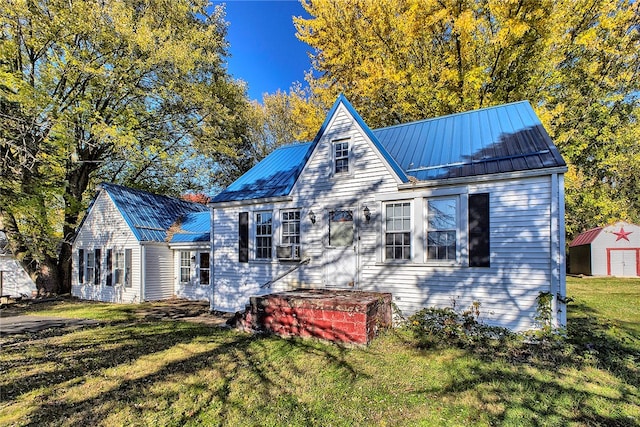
(14, 280)
(607, 251)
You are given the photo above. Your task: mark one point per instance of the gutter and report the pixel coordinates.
(482, 178)
(265, 200)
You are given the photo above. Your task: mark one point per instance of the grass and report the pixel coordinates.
(133, 371)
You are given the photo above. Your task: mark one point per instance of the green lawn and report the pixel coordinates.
(132, 371)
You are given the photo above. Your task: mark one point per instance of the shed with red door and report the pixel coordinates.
(613, 250)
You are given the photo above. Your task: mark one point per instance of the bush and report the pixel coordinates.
(446, 327)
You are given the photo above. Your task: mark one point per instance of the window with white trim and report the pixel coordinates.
(264, 235)
(442, 229)
(128, 257)
(341, 156)
(185, 267)
(118, 267)
(91, 267)
(290, 226)
(398, 231)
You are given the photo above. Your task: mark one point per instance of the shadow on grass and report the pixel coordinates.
(172, 372)
(543, 381)
(86, 355)
(610, 346)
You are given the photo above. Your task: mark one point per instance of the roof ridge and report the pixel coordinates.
(461, 113)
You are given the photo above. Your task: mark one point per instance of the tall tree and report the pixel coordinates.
(124, 90)
(284, 118)
(577, 61)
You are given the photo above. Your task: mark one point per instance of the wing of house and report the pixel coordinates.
(613, 250)
(452, 210)
(122, 251)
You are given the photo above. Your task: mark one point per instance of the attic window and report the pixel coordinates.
(341, 156)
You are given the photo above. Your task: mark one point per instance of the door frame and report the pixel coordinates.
(326, 213)
(637, 251)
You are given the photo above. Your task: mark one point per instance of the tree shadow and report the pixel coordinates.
(522, 375)
(230, 355)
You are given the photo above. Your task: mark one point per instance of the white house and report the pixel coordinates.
(135, 246)
(440, 212)
(607, 251)
(14, 280)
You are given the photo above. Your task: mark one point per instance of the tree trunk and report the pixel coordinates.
(78, 179)
(47, 281)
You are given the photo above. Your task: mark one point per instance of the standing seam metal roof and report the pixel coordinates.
(149, 215)
(504, 138)
(274, 176)
(586, 237)
(193, 227)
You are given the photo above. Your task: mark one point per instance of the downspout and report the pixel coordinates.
(562, 291)
(558, 277)
(212, 271)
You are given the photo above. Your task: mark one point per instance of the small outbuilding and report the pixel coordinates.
(613, 250)
(135, 246)
(14, 280)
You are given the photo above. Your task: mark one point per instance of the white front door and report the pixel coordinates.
(341, 250)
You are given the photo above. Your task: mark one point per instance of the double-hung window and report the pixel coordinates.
(290, 226)
(185, 267)
(264, 235)
(398, 231)
(341, 156)
(118, 267)
(442, 229)
(127, 268)
(91, 267)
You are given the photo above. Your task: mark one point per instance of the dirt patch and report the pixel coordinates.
(178, 309)
(174, 309)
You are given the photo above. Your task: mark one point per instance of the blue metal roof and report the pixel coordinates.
(274, 176)
(149, 215)
(193, 227)
(504, 138)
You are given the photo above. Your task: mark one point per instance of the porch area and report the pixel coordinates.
(348, 317)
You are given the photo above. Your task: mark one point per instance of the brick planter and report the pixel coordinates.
(350, 317)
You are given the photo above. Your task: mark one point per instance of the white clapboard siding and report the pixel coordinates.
(15, 280)
(520, 238)
(159, 272)
(193, 290)
(315, 190)
(104, 228)
(520, 218)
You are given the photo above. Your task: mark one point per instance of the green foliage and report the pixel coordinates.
(544, 311)
(446, 327)
(577, 63)
(284, 118)
(134, 92)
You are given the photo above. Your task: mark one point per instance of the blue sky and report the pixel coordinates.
(265, 52)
